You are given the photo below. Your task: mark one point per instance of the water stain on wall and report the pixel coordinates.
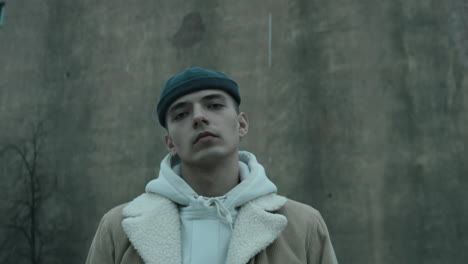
(190, 33)
(458, 28)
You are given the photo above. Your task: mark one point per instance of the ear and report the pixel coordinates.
(170, 145)
(243, 124)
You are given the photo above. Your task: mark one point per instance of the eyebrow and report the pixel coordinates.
(213, 97)
(177, 106)
(204, 98)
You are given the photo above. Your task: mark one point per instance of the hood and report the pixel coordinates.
(254, 183)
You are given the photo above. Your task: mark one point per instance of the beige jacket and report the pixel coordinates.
(269, 229)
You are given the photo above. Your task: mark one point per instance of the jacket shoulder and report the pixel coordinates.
(110, 244)
(306, 234)
(302, 217)
(113, 218)
(294, 208)
(111, 226)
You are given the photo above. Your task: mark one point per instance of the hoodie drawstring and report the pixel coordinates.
(221, 210)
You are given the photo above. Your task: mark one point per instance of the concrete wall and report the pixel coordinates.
(357, 108)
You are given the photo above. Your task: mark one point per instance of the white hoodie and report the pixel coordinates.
(207, 222)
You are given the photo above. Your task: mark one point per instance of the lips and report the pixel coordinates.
(203, 134)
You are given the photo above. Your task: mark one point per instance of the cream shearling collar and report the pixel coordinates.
(152, 225)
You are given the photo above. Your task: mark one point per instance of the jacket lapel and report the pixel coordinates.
(153, 227)
(256, 228)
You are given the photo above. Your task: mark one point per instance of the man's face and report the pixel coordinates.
(204, 127)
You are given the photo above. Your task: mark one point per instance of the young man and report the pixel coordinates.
(211, 203)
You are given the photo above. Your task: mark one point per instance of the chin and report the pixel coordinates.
(210, 156)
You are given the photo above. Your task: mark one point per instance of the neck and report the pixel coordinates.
(214, 180)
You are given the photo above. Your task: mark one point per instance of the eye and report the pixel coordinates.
(180, 116)
(215, 106)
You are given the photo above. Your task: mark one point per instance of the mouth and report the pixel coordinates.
(203, 135)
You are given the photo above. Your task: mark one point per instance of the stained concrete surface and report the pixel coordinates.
(361, 112)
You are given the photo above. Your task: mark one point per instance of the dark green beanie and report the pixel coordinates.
(192, 80)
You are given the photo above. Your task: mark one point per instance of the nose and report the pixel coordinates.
(199, 116)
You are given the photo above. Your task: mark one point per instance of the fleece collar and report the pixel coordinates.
(152, 225)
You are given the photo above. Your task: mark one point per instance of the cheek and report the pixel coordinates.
(235, 127)
(178, 141)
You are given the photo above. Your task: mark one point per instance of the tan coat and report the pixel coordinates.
(269, 229)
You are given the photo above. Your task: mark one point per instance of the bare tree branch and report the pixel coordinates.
(22, 154)
(37, 186)
(21, 229)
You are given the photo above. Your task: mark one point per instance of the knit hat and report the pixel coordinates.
(192, 80)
